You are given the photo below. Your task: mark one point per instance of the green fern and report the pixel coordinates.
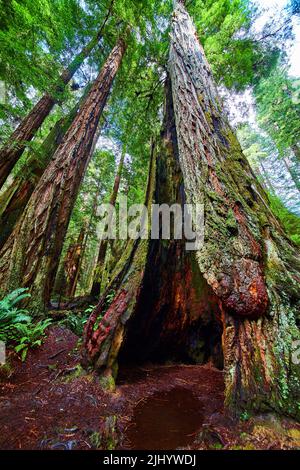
(16, 326)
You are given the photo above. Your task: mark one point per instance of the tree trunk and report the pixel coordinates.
(14, 148)
(246, 274)
(31, 254)
(72, 264)
(15, 198)
(292, 173)
(246, 258)
(96, 287)
(296, 149)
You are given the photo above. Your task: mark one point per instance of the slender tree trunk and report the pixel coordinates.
(26, 130)
(246, 273)
(72, 263)
(292, 173)
(96, 288)
(15, 198)
(87, 234)
(31, 254)
(60, 285)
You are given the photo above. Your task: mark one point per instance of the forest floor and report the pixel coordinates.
(49, 402)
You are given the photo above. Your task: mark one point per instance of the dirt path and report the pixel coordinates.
(48, 402)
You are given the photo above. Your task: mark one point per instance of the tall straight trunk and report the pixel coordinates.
(31, 254)
(96, 287)
(246, 274)
(26, 130)
(72, 263)
(86, 237)
(292, 172)
(266, 177)
(15, 198)
(60, 285)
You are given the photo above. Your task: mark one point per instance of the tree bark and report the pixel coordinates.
(162, 306)
(292, 172)
(15, 198)
(266, 178)
(31, 254)
(246, 258)
(96, 287)
(26, 130)
(247, 272)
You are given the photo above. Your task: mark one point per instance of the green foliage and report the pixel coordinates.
(31, 336)
(278, 106)
(290, 221)
(16, 326)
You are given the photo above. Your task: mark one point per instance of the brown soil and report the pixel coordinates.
(48, 402)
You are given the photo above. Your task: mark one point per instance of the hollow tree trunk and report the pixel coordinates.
(96, 287)
(15, 198)
(246, 268)
(72, 264)
(31, 254)
(26, 130)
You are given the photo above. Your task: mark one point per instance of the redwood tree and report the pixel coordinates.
(31, 254)
(26, 130)
(243, 283)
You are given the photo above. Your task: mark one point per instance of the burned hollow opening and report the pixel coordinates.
(177, 317)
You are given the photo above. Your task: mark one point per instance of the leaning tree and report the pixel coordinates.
(31, 254)
(235, 300)
(28, 127)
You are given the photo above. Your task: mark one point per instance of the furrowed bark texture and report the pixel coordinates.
(246, 258)
(14, 148)
(162, 306)
(31, 254)
(96, 287)
(246, 275)
(15, 198)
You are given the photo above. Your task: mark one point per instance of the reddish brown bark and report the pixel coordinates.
(247, 272)
(31, 254)
(96, 287)
(15, 198)
(292, 172)
(26, 130)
